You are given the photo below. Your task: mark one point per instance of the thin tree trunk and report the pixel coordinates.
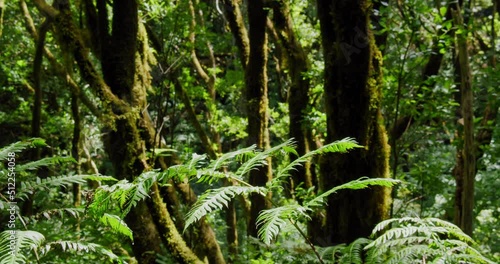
(464, 216)
(298, 98)
(237, 26)
(352, 97)
(257, 104)
(75, 147)
(36, 116)
(2, 11)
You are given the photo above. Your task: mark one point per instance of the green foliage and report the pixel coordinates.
(35, 243)
(409, 240)
(271, 221)
(123, 194)
(23, 240)
(430, 239)
(342, 253)
(20, 146)
(216, 199)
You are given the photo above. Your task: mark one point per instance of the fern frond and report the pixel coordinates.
(78, 247)
(361, 183)
(12, 253)
(216, 199)
(260, 159)
(195, 160)
(20, 146)
(49, 161)
(329, 254)
(412, 254)
(125, 194)
(116, 224)
(177, 172)
(387, 223)
(354, 251)
(57, 181)
(270, 221)
(210, 176)
(341, 146)
(452, 229)
(212, 173)
(74, 212)
(106, 197)
(230, 156)
(414, 239)
(139, 191)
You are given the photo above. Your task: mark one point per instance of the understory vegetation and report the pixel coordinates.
(249, 131)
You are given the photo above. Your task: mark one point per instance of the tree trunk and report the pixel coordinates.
(466, 166)
(123, 104)
(2, 11)
(298, 98)
(352, 97)
(237, 26)
(27, 208)
(257, 104)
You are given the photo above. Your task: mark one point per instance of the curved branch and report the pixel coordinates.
(59, 68)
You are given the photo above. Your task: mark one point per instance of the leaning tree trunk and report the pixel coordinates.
(257, 104)
(352, 98)
(123, 100)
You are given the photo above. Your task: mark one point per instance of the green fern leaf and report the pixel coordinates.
(177, 172)
(354, 251)
(270, 221)
(216, 199)
(116, 224)
(12, 253)
(78, 247)
(341, 146)
(20, 146)
(57, 181)
(74, 212)
(230, 156)
(44, 163)
(260, 159)
(361, 183)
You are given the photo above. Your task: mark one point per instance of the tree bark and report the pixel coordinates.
(2, 11)
(257, 104)
(237, 26)
(464, 216)
(298, 98)
(27, 208)
(124, 129)
(352, 97)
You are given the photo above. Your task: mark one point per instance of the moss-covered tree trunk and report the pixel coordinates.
(123, 95)
(297, 64)
(352, 98)
(257, 103)
(2, 9)
(123, 140)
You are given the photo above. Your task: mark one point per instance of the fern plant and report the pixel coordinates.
(409, 240)
(22, 243)
(126, 194)
(270, 221)
(414, 240)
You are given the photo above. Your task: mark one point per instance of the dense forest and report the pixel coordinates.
(249, 131)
